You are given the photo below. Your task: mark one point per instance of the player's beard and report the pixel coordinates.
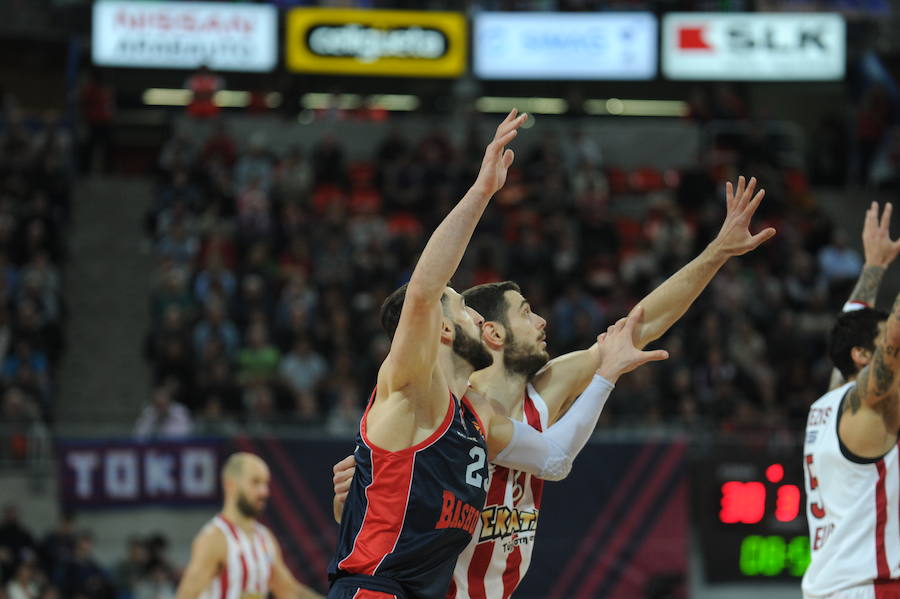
(471, 350)
(518, 359)
(246, 508)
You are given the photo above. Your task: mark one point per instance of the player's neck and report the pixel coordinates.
(234, 515)
(456, 370)
(504, 388)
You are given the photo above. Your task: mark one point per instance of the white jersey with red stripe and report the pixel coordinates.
(493, 564)
(853, 508)
(248, 566)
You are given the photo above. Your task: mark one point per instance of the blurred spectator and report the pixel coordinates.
(302, 369)
(25, 583)
(82, 574)
(156, 584)
(16, 542)
(98, 105)
(129, 570)
(203, 85)
(258, 362)
(839, 262)
(58, 545)
(215, 324)
(163, 418)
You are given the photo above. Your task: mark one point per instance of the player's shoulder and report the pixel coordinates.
(212, 531)
(832, 396)
(210, 542)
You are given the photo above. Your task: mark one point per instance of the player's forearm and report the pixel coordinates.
(188, 589)
(445, 249)
(549, 454)
(668, 302)
(565, 377)
(866, 289)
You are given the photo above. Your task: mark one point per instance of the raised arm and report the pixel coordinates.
(549, 454)
(876, 383)
(879, 251)
(565, 377)
(207, 556)
(413, 353)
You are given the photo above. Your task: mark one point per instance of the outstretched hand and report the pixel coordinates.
(619, 355)
(498, 158)
(734, 238)
(876, 236)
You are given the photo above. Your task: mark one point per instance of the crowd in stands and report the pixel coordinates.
(63, 565)
(271, 268)
(36, 174)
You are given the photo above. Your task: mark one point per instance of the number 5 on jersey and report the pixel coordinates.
(817, 510)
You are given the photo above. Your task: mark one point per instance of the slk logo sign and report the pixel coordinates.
(755, 46)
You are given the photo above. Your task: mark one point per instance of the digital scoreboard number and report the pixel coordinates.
(749, 513)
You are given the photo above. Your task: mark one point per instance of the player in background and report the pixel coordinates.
(523, 386)
(424, 442)
(879, 252)
(851, 461)
(234, 556)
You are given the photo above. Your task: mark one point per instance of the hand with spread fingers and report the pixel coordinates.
(734, 238)
(616, 345)
(497, 157)
(877, 245)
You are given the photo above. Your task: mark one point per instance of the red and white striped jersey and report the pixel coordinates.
(853, 507)
(493, 564)
(248, 566)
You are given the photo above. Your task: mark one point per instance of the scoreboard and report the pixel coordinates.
(749, 512)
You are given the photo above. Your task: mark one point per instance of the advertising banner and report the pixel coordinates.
(119, 474)
(754, 46)
(615, 527)
(391, 43)
(185, 35)
(617, 46)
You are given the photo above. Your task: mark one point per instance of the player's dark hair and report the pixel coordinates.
(393, 306)
(489, 300)
(858, 328)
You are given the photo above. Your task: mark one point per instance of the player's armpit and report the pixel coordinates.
(207, 556)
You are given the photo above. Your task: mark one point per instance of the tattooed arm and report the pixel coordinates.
(877, 382)
(880, 251)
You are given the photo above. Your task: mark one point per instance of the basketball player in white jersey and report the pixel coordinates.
(234, 556)
(524, 386)
(851, 461)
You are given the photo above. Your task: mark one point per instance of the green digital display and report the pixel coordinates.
(774, 555)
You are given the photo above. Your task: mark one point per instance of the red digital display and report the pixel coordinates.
(787, 505)
(744, 502)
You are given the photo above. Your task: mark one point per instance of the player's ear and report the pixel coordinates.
(447, 330)
(493, 334)
(860, 356)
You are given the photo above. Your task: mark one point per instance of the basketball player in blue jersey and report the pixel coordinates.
(423, 447)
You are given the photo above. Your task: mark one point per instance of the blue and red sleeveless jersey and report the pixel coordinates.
(410, 513)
